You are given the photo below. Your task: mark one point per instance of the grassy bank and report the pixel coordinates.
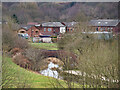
(15, 76)
(18, 77)
(48, 46)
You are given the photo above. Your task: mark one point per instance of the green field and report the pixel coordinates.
(20, 77)
(48, 46)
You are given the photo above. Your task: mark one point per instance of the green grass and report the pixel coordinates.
(48, 46)
(21, 75)
(18, 76)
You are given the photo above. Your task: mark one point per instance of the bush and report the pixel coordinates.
(54, 40)
(10, 41)
(20, 43)
(9, 36)
(35, 56)
(97, 59)
(7, 40)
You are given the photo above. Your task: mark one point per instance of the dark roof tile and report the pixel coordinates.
(70, 24)
(53, 24)
(104, 22)
(26, 27)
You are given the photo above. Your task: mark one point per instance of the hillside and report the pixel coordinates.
(18, 77)
(41, 11)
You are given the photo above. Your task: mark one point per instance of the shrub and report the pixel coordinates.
(54, 40)
(97, 59)
(9, 36)
(20, 43)
(7, 39)
(35, 56)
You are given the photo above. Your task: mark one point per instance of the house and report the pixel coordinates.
(24, 29)
(109, 25)
(48, 28)
(70, 26)
(35, 30)
(54, 27)
(31, 30)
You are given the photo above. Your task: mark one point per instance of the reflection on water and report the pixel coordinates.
(49, 71)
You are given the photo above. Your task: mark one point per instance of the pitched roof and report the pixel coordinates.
(104, 22)
(26, 27)
(53, 24)
(70, 24)
(37, 25)
(32, 23)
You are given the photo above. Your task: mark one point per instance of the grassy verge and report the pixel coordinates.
(18, 77)
(48, 46)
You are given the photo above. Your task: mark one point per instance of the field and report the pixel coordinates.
(48, 46)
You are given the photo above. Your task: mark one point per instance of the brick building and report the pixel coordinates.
(109, 25)
(70, 26)
(48, 28)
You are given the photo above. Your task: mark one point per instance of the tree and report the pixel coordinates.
(35, 56)
(97, 59)
(15, 18)
(10, 38)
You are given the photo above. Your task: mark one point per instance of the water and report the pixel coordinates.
(50, 72)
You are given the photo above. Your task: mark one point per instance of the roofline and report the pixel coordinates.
(22, 28)
(105, 20)
(54, 26)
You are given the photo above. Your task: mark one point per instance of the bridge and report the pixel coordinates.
(60, 54)
(68, 58)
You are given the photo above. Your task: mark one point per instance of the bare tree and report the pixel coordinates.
(35, 57)
(97, 59)
(10, 41)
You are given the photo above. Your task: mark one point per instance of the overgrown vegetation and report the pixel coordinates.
(97, 59)
(13, 76)
(10, 39)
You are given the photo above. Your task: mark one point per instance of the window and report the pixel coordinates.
(99, 22)
(71, 29)
(53, 31)
(96, 29)
(44, 29)
(104, 29)
(106, 22)
(49, 29)
(68, 30)
(111, 29)
(101, 29)
(22, 31)
(36, 32)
